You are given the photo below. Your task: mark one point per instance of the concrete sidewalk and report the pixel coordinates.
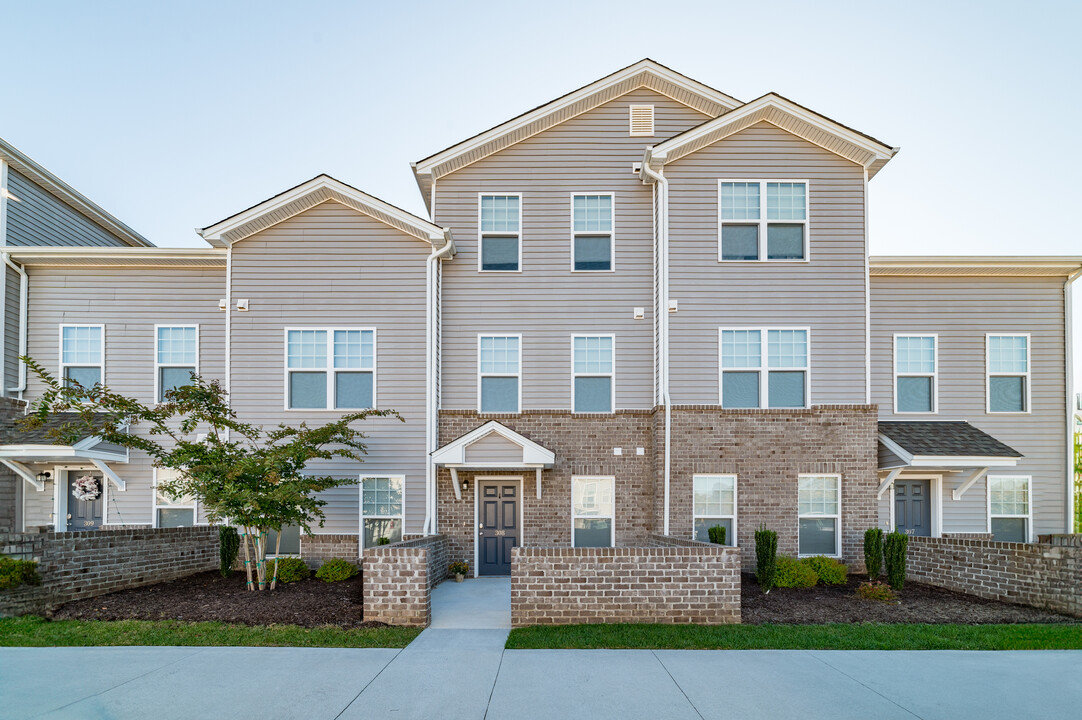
(458, 669)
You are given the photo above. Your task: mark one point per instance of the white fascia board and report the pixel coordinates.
(903, 454)
(962, 461)
(454, 453)
(425, 166)
(1067, 264)
(879, 150)
(213, 234)
(43, 255)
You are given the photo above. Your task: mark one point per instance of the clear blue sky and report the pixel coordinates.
(175, 115)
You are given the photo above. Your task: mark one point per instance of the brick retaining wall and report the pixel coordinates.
(397, 580)
(661, 581)
(75, 565)
(1042, 575)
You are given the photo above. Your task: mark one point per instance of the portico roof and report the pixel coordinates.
(493, 445)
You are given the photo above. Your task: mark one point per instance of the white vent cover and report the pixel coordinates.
(642, 120)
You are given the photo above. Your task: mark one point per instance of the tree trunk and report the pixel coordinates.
(247, 557)
(261, 559)
(277, 547)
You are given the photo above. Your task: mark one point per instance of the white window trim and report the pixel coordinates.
(360, 506)
(764, 362)
(611, 518)
(610, 375)
(631, 125)
(330, 369)
(514, 375)
(1029, 503)
(60, 351)
(736, 505)
(988, 374)
(612, 234)
(194, 507)
(934, 375)
(762, 221)
(158, 366)
(481, 235)
(837, 518)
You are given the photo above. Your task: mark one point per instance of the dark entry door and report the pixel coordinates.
(85, 514)
(913, 506)
(498, 529)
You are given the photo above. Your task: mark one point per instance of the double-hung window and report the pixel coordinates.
(1008, 373)
(916, 374)
(593, 365)
(819, 514)
(592, 505)
(501, 233)
(499, 385)
(592, 239)
(176, 357)
(381, 510)
(330, 369)
(752, 378)
(82, 354)
(170, 510)
(1009, 508)
(747, 233)
(715, 504)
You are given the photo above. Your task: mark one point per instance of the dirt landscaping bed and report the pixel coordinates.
(210, 597)
(916, 603)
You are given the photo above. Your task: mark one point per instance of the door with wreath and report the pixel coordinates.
(86, 500)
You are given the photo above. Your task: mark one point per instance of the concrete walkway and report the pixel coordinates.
(458, 669)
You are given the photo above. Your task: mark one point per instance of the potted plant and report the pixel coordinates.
(459, 570)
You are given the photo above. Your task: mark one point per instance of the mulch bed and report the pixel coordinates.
(209, 596)
(916, 603)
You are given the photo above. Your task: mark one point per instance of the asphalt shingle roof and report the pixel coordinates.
(11, 433)
(945, 438)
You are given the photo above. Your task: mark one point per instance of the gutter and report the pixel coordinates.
(432, 310)
(23, 301)
(1068, 369)
(663, 311)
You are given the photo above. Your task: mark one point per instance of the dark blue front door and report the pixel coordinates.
(498, 532)
(913, 506)
(85, 514)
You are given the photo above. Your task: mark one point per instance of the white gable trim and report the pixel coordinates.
(314, 192)
(453, 454)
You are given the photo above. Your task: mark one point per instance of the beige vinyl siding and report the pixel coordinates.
(547, 303)
(333, 267)
(826, 294)
(961, 310)
(128, 302)
(493, 448)
(38, 218)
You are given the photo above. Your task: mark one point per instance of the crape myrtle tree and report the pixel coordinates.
(241, 474)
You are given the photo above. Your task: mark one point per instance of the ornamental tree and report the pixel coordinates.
(242, 474)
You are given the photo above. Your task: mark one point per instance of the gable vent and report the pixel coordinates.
(642, 120)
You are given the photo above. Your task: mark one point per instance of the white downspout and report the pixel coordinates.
(1068, 369)
(663, 250)
(3, 242)
(867, 301)
(432, 305)
(23, 300)
(228, 320)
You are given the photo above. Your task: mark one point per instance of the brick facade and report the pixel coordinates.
(397, 580)
(1042, 575)
(318, 549)
(75, 565)
(662, 582)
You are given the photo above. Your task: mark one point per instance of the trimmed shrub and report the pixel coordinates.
(873, 552)
(228, 545)
(336, 570)
(895, 547)
(717, 534)
(766, 557)
(14, 573)
(459, 568)
(875, 590)
(290, 569)
(829, 570)
(794, 574)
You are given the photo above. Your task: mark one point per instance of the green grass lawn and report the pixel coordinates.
(31, 631)
(868, 636)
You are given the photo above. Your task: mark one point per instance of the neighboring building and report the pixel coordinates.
(37, 209)
(643, 307)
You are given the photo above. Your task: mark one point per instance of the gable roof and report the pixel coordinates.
(69, 196)
(453, 454)
(789, 116)
(645, 73)
(314, 192)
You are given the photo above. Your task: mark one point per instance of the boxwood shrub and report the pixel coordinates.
(14, 573)
(793, 573)
(290, 569)
(336, 570)
(829, 570)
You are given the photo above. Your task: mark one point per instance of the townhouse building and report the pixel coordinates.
(642, 307)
